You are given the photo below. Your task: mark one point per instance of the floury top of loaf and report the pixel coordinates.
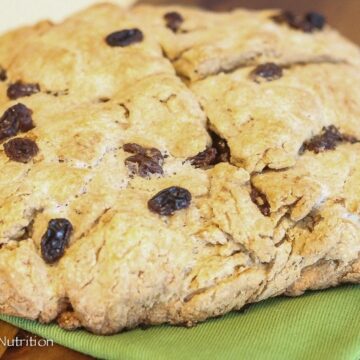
(168, 164)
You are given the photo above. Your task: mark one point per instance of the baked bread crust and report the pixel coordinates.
(253, 119)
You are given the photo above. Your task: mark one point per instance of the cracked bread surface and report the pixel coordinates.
(276, 211)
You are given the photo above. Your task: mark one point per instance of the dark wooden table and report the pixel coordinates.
(343, 14)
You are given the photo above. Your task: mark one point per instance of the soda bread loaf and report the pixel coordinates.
(169, 164)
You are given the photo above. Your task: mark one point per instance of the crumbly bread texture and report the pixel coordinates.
(250, 118)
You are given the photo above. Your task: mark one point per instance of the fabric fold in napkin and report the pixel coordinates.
(319, 325)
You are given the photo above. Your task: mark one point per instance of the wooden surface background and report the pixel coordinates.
(343, 14)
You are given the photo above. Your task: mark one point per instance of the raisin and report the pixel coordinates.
(20, 89)
(153, 153)
(3, 75)
(315, 20)
(310, 22)
(173, 20)
(9, 124)
(284, 17)
(55, 240)
(268, 71)
(133, 148)
(204, 159)
(25, 118)
(21, 149)
(329, 138)
(260, 200)
(221, 147)
(169, 200)
(17, 117)
(124, 37)
(146, 161)
(143, 165)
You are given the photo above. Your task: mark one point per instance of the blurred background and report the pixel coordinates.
(342, 14)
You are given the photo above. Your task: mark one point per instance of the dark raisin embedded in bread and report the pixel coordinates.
(55, 240)
(173, 20)
(329, 138)
(221, 146)
(145, 162)
(204, 159)
(143, 166)
(313, 21)
(169, 200)
(284, 17)
(16, 118)
(268, 71)
(3, 75)
(310, 22)
(133, 148)
(260, 200)
(20, 89)
(21, 149)
(124, 37)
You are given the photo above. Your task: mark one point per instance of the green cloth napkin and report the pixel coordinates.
(319, 325)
